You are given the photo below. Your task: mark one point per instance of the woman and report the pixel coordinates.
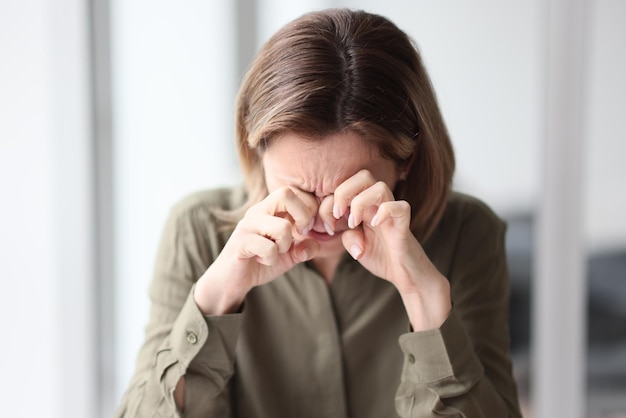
(344, 279)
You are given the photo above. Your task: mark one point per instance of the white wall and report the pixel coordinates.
(174, 82)
(45, 216)
(273, 14)
(28, 214)
(605, 151)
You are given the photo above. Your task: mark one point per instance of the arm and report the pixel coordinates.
(181, 343)
(187, 359)
(463, 367)
(457, 361)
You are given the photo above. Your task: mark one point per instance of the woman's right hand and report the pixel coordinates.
(266, 243)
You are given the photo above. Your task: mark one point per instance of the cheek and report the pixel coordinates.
(270, 184)
(270, 181)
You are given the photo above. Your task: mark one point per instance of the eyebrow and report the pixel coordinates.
(299, 183)
(293, 181)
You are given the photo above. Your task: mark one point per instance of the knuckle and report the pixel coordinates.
(284, 246)
(365, 174)
(404, 205)
(327, 201)
(380, 185)
(251, 211)
(244, 223)
(284, 227)
(381, 190)
(268, 251)
(342, 195)
(285, 193)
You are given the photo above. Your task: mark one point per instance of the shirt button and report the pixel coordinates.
(411, 358)
(192, 338)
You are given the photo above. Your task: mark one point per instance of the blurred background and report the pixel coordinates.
(112, 110)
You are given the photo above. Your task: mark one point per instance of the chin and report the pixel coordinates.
(332, 248)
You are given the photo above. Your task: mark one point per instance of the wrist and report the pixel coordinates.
(428, 305)
(216, 297)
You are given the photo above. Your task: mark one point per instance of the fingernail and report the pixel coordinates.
(305, 230)
(308, 227)
(375, 220)
(356, 251)
(336, 211)
(329, 229)
(304, 255)
(351, 221)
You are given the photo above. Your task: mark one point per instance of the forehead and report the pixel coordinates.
(333, 145)
(333, 151)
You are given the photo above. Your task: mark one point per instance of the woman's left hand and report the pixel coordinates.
(379, 237)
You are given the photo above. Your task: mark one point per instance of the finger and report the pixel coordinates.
(325, 212)
(312, 204)
(396, 210)
(366, 204)
(353, 242)
(291, 204)
(264, 250)
(346, 191)
(305, 250)
(278, 230)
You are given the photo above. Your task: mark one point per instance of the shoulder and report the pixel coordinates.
(197, 216)
(463, 209)
(205, 202)
(467, 224)
(192, 226)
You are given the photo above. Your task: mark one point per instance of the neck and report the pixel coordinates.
(326, 266)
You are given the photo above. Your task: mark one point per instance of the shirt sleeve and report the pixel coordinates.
(179, 340)
(463, 369)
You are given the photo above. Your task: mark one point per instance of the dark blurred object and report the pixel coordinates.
(606, 308)
(519, 242)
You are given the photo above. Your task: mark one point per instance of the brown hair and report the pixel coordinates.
(341, 70)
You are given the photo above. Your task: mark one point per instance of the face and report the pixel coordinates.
(318, 167)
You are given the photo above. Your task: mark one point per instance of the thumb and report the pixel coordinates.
(305, 250)
(353, 241)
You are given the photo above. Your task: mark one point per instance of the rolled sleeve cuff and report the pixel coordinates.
(205, 340)
(444, 355)
(198, 343)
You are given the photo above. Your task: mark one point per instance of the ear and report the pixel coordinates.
(406, 168)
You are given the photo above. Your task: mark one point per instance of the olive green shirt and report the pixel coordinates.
(302, 348)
